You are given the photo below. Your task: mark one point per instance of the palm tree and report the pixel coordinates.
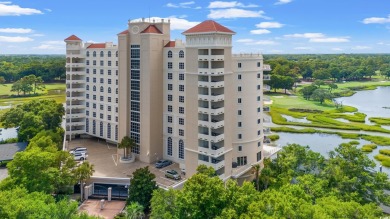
(256, 168)
(127, 144)
(134, 211)
(82, 173)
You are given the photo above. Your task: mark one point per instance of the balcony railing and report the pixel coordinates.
(211, 138)
(211, 84)
(267, 87)
(218, 164)
(266, 109)
(266, 77)
(267, 68)
(267, 130)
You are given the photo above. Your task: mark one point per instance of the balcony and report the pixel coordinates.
(75, 72)
(217, 111)
(213, 125)
(266, 120)
(217, 164)
(267, 130)
(75, 132)
(75, 65)
(267, 87)
(217, 71)
(75, 123)
(216, 152)
(76, 107)
(267, 68)
(211, 84)
(217, 97)
(266, 109)
(214, 139)
(75, 115)
(266, 77)
(76, 89)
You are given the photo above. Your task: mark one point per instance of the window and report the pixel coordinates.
(169, 65)
(87, 112)
(181, 121)
(101, 89)
(170, 119)
(181, 88)
(181, 77)
(258, 132)
(258, 98)
(181, 149)
(181, 132)
(94, 54)
(239, 136)
(109, 108)
(116, 72)
(170, 97)
(169, 146)
(94, 105)
(101, 115)
(258, 87)
(239, 148)
(181, 65)
(101, 107)
(203, 157)
(87, 87)
(258, 75)
(94, 114)
(94, 71)
(87, 53)
(135, 64)
(109, 90)
(109, 54)
(116, 90)
(109, 63)
(258, 109)
(87, 125)
(258, 144)
(87, 96)
(94, 62)
(258, 64)
(101, 63)
(101, 129)
(101, 71)
(116, 82)
(116, 53)
(101, 98)
(94, 80)
(94, 127)
(87, 62)
(181, 99)
(239, 124)
(170, 87)
(109, 117)
(258, 156)
(239, 100)
(258, 121)
(239, 65)
(241, 161)
(170, 130)
(87, 104)
(94, 88)
(94, 97)
(108, 130)
(169, 108)
(116, 63)
(87, 79)
(116, 100)
(181, 54)
(109, 72)
(109, 81)
(109, 99)
(101, 54)
(169, 54)
(181, 110)
(170, 76)
(87, 70)
(239, 112)
(239, 77)
(239, 88)
(116, 109)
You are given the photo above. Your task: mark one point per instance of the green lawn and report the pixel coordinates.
(287, 101)
(5, 89)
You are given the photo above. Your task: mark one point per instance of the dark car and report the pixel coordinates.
(163, 163)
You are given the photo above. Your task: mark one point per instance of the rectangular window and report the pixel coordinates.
(239, 100)
(239, 77)
(258, 121)
(109, 63)
(116, 82)
(87, 70)
(87, 78)
(258, 109)
(258, 98)
(170, 130)
(170, 87)
(181, 121)
(101, 107)
(170, 119)
(239, 124)
(239, 88)
(109, 99)
(259, 156)
(87, 104)
(258, 64)
(181, 65)
(169, 65)
(109, 117)
(181, 110)
(101, 71)
(94, 62)
(258, 87)
(181, 99)
(109, 72)
(242, 161)
(87, 63)
(94, 105)
(94, 71)
(109, 81)
(101, 98)
(116, 63)
(258, 75)
(101, 63)
(134, 106)
(170, 97)
(134, 64)
(239, 136)
(181, 88)
(239, 65)
(94, 80)
(181, 77)
(169, 108)
(135, 74)
(94, 114)
(258, 132)
(239, 112)
(94, 97)
(170, 76)
(87, 113)
(101, 80)
(239, 148)
(181, 132)
(109, 108)
(101, 115)
(87, 96)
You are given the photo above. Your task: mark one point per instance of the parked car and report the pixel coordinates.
(163, 163)
(80, 156)
(172, 174)
(78, 149)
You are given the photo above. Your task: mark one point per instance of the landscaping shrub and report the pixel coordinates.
(369, 147)
(385, 152)
(354, 142)
(273, 137)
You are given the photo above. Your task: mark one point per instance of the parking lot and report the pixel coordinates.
(105, 158)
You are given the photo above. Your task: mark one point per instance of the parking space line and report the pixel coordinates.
(165, 178)
(116, 164)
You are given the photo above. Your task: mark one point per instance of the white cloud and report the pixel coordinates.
(377, 20)
(305, 35)
(260, 31)
(256, 42)
(233, 4)
(303, 48)
(176, 23)
(329, 40)
(282, 2)
(384, 44)
(337, 49)
(244, 40)
(182, 5)
(54, 42)
(15, 30)
(16, 39)
(361, 47)
(8, 9)
(48, 9)
(235, 13)
(269, 25)
(38, 35)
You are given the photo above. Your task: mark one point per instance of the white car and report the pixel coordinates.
(78, 150)
(80, 156)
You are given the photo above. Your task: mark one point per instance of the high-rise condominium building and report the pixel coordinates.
(193, 103)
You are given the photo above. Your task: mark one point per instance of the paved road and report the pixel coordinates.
(3, 173)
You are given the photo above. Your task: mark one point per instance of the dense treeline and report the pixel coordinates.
(330, 67)
(48, 67)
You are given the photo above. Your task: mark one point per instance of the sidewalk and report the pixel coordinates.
(110, 209)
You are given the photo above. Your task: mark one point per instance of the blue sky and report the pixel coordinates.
(265, 26)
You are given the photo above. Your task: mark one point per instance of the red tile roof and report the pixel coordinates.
(170, 44)
(124, 32)
(97, 46)
(207, 27)
(151, 29)
(73, 37)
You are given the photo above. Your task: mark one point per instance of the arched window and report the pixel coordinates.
(109, 90)
(109, 54)
(116, 54)
(87, 53)
(94, 54)
(181, 149)
(94, 127)
(181, 54)
(116, 133)
(169, 54)
(94, 88)
(101, 89)
(101, 54)
(169, 146)
(101, 129)
(108, 130)
(87, 87)
(87, 125)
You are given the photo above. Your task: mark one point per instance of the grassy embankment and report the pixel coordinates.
(327, 116)
(8, 98)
